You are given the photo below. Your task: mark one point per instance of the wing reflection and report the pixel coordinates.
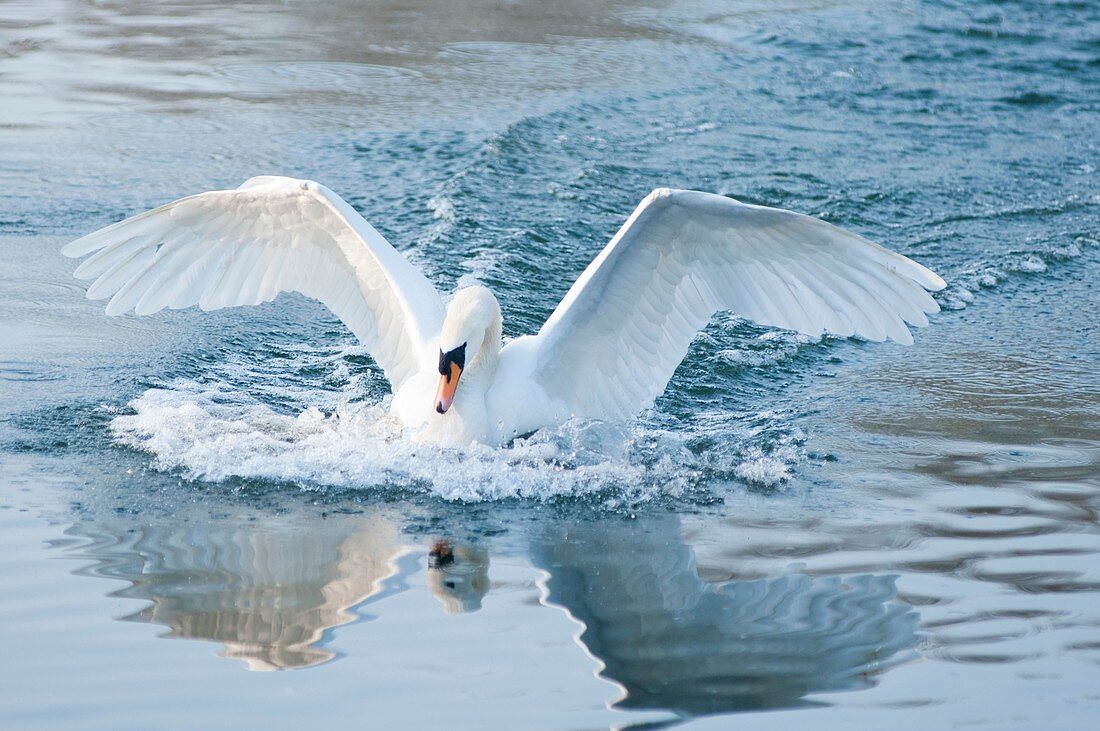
(675, 642)
(268, 593)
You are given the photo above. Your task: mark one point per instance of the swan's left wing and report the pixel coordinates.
(613, 343)
(227, 248)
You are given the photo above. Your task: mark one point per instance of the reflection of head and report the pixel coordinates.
(675, 642)
(458, 576)
(267, 592)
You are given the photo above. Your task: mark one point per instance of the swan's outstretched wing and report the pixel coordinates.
(611, 346)
(242, 247)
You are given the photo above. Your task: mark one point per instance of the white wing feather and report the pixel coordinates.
(242, 247)
(611, 346)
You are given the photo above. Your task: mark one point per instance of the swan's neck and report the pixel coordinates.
(484, 365)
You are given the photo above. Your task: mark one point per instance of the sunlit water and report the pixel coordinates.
(801, 531)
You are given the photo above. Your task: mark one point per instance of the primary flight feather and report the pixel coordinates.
(606, 352)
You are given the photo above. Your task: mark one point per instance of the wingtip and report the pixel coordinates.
(904, 339)
(83, 271)
(80, 247)
(114, 309)
(926, 277)
(919, 273)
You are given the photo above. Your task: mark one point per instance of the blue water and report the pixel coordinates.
(801, 531)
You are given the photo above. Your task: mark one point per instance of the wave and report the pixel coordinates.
(990, 274)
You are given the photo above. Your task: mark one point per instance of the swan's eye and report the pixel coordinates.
(456, 356)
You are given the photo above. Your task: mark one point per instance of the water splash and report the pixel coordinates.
(207, 433)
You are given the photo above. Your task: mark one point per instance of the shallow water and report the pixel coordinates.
(801, 531)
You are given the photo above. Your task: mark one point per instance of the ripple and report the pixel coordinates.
(985, 658)
(13, 370)
(310, 75)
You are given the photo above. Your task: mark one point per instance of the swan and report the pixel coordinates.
(607, 351)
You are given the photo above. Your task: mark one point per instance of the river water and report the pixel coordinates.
(825, 532)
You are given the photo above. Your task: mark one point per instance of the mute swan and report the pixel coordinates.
(606, 352)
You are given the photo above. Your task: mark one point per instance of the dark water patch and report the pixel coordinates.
(985, 659)
(1032, 99)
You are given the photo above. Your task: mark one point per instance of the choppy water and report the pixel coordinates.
(804, 532)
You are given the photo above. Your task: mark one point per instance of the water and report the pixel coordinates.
(801, 531)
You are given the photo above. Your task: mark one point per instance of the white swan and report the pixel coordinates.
(606, 352)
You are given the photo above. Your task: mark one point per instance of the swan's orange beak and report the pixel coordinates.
(451, 364)
(448, 382)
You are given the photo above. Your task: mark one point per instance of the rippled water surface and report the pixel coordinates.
(823, 532)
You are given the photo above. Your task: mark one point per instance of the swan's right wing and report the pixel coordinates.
(611, 346)
(273, 234)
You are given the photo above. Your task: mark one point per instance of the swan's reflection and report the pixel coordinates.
(267, 592)
(675, 642)
(271, 590)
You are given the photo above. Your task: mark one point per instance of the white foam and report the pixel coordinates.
(208, 434)
(767, 470)
(442, 208)
(767, 349)
(989, 275)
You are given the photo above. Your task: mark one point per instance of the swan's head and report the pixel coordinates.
(458, 575)
(471, 331)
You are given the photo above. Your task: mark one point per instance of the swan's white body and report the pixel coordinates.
(606, 352)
